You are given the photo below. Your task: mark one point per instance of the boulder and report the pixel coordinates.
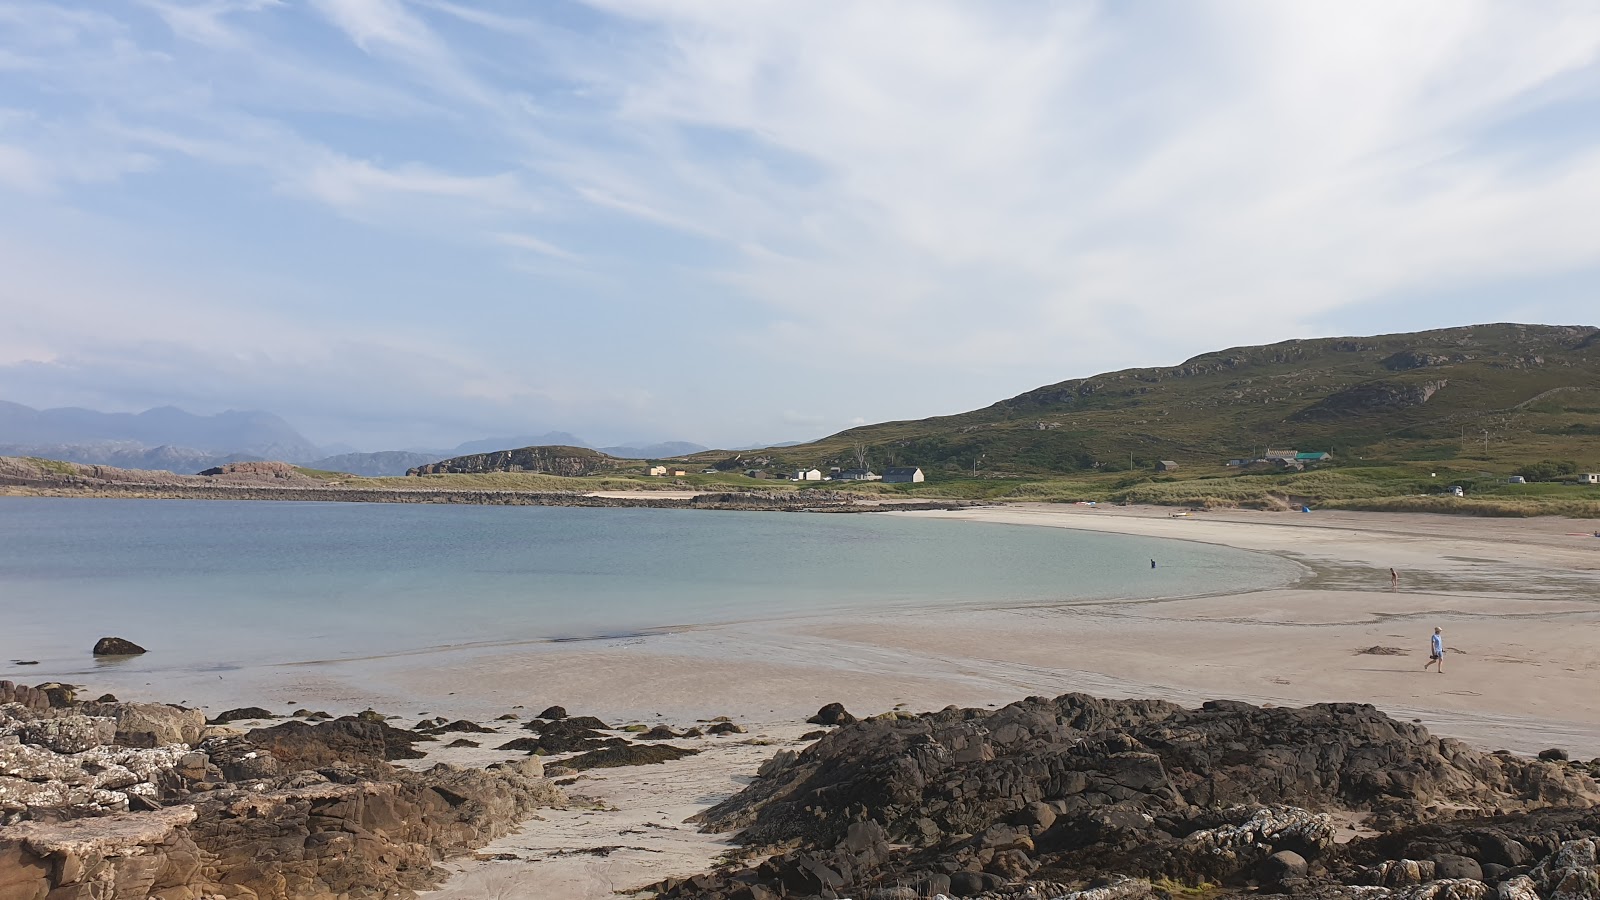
(832, 714)
(553, 712)
(1456, 866)
(150, 724)
(241, 714)
(1281, 867)
(300, 745)
(115, 646)
(627, 755)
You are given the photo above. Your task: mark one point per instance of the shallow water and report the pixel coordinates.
(216, 585)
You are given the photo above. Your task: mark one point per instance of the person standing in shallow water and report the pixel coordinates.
(1436, 653)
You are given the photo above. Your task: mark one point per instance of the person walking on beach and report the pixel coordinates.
(1152, 564)
(1436, 654)
(1394, 578)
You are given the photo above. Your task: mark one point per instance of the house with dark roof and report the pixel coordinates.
(902, 475)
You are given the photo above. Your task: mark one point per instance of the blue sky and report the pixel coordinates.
(414, 222)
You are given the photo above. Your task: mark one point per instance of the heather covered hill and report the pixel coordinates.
(1532, 390)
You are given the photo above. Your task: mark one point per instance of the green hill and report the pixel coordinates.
(1501, 396)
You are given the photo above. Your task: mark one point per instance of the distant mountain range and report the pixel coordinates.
(170, 439)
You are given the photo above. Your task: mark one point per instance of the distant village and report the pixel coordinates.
(1291, 460)
(891, 475)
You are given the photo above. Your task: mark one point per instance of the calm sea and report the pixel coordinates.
(221, 585)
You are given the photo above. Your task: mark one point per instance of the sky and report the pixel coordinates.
(417, 222)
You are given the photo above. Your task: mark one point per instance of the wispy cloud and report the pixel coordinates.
(946, 200)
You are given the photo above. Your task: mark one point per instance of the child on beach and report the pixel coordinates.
(1436, 654)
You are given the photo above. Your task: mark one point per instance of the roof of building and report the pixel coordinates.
(902, 470)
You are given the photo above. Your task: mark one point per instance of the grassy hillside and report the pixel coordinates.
(1488, 398)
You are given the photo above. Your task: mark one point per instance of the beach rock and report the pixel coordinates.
(1454, 866)
(459, 726)
(725, 728)
(1127, 791)
(60, 696)
(150, 724)
(1519, 887)
(553, 712)
(305, 837)
(241, 714)
(659, 733)
(627, 755)
(1281, 867)
(1554, 754)
(28, 697)
(589, 722)
(462, 742)
(1572, 872)
(66, 734)
(299, 745)
(115, 646)
(832, 714)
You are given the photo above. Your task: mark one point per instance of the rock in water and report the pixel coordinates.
(115, 646)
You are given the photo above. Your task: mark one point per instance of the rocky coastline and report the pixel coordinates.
(1071, 797)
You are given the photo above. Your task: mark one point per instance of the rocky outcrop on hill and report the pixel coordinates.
(1370, 396)
(1065, 791)
(90, 809)
(568, 461)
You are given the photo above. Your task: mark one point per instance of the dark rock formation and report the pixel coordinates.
(553, 712)
(832, 714)
(1064, 791)
(1368, 397)
(243, 713)
(301, 745)
(115, 646)
(627, 755)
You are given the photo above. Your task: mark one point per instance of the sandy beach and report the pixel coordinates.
(1518, 600)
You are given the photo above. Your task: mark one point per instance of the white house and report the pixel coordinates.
(902, 475)
(656, 471)
(1589, 478)
(807, 475)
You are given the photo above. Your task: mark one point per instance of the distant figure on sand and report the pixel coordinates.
(1152, 564)
(1436, 654)
(1394, 578)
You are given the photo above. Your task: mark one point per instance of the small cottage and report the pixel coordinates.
(1589, 478)
(807, 475)
(656, 471)
(858, 475)
(1166, 465)
(1313, 456)
(903, 475)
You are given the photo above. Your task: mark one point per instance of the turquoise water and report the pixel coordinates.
(224, 585)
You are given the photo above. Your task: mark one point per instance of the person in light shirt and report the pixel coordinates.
(1436, 654)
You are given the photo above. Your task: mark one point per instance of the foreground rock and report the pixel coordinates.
(92, 809)
(1055, 797)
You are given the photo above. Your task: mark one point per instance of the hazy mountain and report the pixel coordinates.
(374, 465)
(490, 445)
(663, 450)
(129, 455)
(250, 432)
